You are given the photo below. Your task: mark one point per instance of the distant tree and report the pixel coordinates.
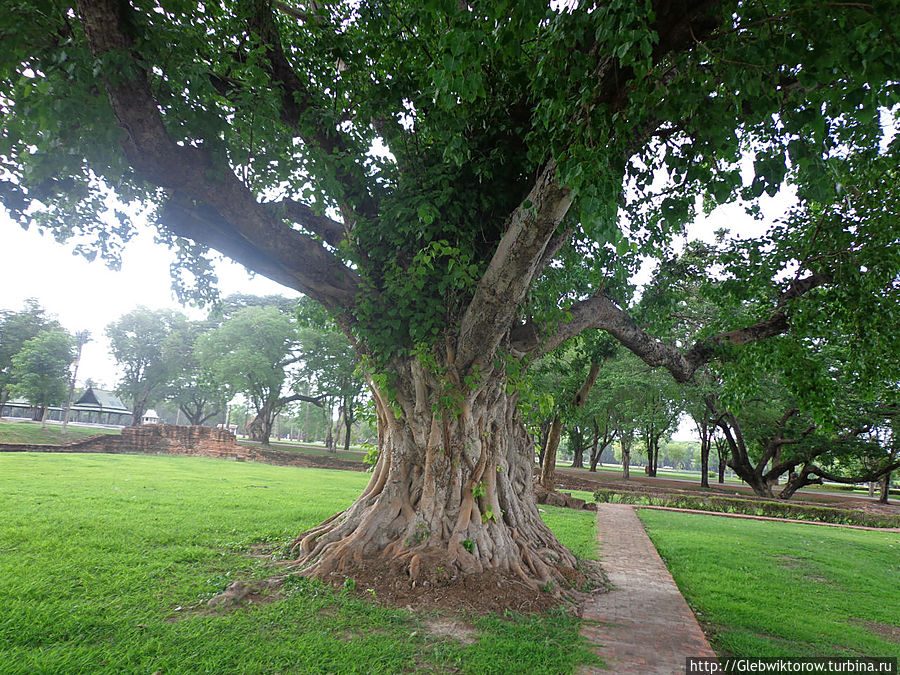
(251, 352)
(192, 388)
(137, 342)
(16, 328)
(81, 339)
(40, 369)
(328, 363)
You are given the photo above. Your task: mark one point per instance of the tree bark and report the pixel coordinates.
(595, 449)
(329, 428)
(548, 467)
(885, 489)
(451, 494)
(703, 427)
(625, 440)
(348, 424)
(260, 427)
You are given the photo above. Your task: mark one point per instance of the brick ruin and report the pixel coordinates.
(153, 439)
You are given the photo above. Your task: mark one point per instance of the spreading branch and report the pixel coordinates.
(207, 202)
(602, 313)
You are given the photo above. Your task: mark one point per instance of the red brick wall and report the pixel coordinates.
(159, 439)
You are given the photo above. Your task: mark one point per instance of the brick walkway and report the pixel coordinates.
(644, 626)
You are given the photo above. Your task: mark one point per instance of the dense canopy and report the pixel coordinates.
(466, 185)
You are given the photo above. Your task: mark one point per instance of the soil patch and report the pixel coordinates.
(887, 631)
(446, 627)
(485, 593)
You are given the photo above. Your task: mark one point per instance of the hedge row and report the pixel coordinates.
(771, 509)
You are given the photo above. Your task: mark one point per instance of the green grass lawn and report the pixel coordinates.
(355, 455)
(105, 560)
(31, 433)
(782, 589)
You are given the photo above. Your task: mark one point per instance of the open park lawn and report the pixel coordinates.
(783, 589)
(105, 561)
(31, 433)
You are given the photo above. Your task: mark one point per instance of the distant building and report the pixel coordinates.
(150, 417)
(95, 406)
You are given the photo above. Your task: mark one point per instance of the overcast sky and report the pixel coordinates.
(87, 295)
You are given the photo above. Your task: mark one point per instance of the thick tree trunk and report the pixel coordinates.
(705, 433)
(885, 489)
(625, 440)
(338, 427)
(596, 450)
(450, 496)
(137, 412)
(329, 427)
(704, 463)
(260, 427)
(578, 456)
(348, 424)
(652, 455)
(548, 466)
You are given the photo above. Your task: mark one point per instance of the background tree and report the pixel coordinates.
(251, 351)
(490, 232)
(80, 340)
(192, 388)
(328, 364)
(40, 370)
(17, 328)
(136, 342)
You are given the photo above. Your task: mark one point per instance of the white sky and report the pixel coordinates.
(87, 295)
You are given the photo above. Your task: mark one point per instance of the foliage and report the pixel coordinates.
(250, 352)
(16, 328)
(782, 589)
(646, 126)
(40, 369)
(137, 343)
(191, 387)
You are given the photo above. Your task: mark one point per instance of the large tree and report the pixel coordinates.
(252, 351)
(447, 178)
(17, 328)
(137, 343)
(195, 390)
(40, 369)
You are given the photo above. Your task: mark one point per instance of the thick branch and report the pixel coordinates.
(601, 312)
(209, 204)
(266, 246)
(512, 268)
(315, 400)
(331, 231)
(872, 475)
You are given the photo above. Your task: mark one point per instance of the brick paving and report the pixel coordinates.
(642, 626)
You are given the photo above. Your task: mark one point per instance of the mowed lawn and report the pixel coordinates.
(31, 433)
(105, 561)
(784, 589)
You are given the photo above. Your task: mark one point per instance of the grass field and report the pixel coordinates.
(106, 559)
(31, 433)
(780, 589)
(355, 455)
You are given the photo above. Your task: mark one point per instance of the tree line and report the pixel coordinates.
(270, 352)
